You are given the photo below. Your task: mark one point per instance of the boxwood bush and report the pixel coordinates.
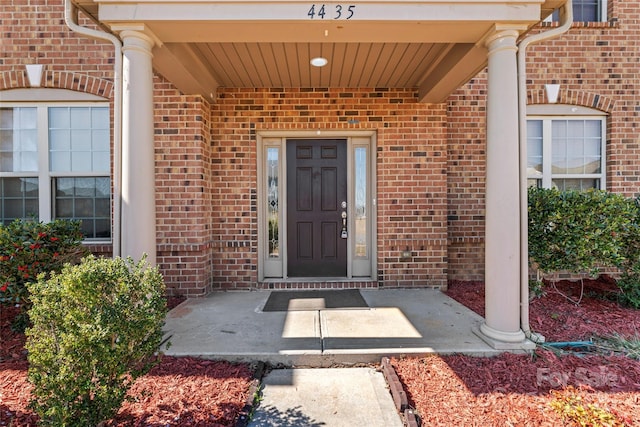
(96, 327)
(584, 231)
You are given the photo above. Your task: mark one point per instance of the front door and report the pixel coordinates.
(316, 201)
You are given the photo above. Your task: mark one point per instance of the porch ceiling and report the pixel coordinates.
(431, 46)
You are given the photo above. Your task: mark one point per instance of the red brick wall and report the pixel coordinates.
(183, 189)
(597, 66)
(35, 32)
(466, 113)
(430, 158)
(411, 170)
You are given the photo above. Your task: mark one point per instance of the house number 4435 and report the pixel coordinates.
(338, 11)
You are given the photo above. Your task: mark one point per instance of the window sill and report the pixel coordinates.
(591, 25)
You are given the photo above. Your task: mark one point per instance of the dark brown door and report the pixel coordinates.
(316, 190)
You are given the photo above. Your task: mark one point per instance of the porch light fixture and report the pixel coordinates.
(319, 61)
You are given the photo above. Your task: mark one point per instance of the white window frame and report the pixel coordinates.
(547, 114)
(602, 13)
(42, 99)
(358, 267)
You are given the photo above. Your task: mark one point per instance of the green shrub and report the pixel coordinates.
(96, 327)
(577, 231)
(583, 231)
(29, 248)
(629, 281)
(629, 285)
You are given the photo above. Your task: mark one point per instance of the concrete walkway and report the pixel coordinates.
(326, 397)
(232, 326)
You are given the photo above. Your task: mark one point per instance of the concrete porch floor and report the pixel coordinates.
(411, 322)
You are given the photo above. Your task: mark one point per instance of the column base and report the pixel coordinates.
(504, 340)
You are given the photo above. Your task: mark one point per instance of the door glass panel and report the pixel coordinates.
(273, 211)
(360, 211)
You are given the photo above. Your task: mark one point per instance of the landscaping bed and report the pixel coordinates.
(596, 386)
(177, 392)
(550, 388)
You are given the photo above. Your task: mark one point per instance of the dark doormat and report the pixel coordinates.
(314, 300)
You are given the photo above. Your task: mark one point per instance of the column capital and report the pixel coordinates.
(130, 32)
(502, 34)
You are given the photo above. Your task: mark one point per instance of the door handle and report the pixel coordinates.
(344, 233)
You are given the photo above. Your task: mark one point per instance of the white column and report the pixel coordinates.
(502, 229)
(138, 163)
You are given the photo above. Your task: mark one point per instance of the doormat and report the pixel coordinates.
(314, 300)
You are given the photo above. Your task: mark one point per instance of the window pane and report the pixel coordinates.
(593, 128)
(579, 184)
(64, 208)
(360, 210)
(29, 161)
(534, 147)
(60, 161)
(6, 162)
(59, 140)
(559, 155)
(103, 188)
(273, 167)
(18, 140)
(100, 161)
(575, 156)
(585, 10)
(64, 187)
(536, 183)
(100, 140)
(86, 199)
(79, 139)
(102, 207)
(575, 150)
(59, 118)
(102, 229)
(81, 161)
(80, 118)
(100, 118)
(83, 207)
(85, 187)
(18, 198)
(578, 152)
(6, 118)
(559, 128)
(575, 129)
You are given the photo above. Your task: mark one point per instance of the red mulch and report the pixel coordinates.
(177, 392)
(445, 390)
(518, 389)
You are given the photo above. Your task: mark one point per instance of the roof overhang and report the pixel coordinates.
(433, 46)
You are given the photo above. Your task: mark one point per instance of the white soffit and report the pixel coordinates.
(431, 46)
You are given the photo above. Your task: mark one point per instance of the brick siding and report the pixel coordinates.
(430, 158)
(596, 65)
(411, 174)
